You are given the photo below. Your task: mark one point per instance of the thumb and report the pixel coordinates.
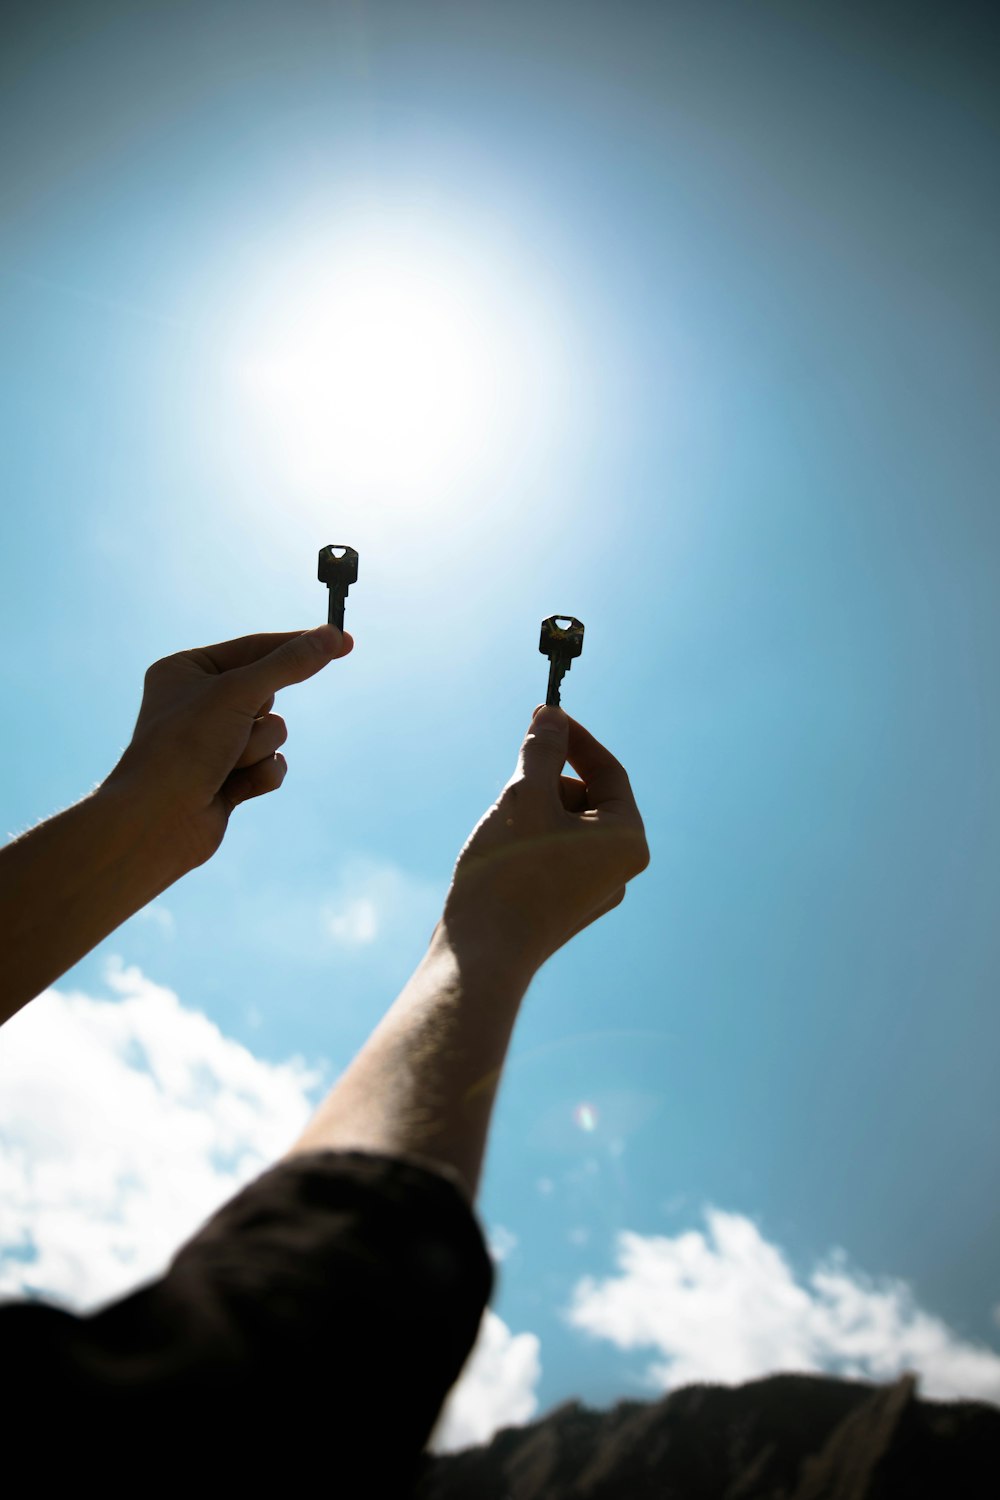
(293, 661)
(543, 753)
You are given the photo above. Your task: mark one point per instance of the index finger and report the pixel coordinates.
(226, 656)
(605, 777)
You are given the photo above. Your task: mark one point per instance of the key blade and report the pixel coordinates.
(557, 668)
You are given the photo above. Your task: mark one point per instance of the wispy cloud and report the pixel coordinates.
(725, 1307)
(502, 1242)
(160, 916)
(354, 923)
(369, 911)
(374, 898)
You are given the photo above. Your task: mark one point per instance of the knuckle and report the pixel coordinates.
(279, 729)
(156, 671)
(297, 658)
(306, 648)
(547, 737)
(637, 855)
(262, 778)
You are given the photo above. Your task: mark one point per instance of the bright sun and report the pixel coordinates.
(383, 371)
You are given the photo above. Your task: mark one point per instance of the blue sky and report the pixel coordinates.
(696, 340)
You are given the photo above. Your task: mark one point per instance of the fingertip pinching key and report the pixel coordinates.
(562, 642)
(338, 569)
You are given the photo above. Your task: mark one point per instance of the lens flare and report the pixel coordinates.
(585, 1116)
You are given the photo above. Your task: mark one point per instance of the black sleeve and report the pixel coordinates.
(314, 1325)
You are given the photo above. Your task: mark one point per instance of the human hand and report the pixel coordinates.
(553, 853)
(206, 739)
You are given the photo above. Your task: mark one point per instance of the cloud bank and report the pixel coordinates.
(725, 1307)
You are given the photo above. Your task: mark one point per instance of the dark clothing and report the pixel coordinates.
(313, 1327)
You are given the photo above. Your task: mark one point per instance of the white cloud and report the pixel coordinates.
(496, 1388)
(124, 1124)
(726, 1307)
(158, 915)
(354, 924)
(374, 897)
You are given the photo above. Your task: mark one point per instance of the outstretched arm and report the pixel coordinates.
(346, 1284)
(205, 740)
(551, 856)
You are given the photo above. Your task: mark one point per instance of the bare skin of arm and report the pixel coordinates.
(551, 855)
(205, 740)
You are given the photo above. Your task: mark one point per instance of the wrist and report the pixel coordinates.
(484, 953)
(141, 832)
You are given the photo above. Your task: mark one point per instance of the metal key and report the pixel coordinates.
(338, 573)
(562, 642)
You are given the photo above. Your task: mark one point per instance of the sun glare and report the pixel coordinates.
(383, 371)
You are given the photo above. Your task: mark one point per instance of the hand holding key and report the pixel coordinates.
(206, 739)
(553, 853)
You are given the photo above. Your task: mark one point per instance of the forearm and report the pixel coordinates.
(67, 884)
(424, 1084)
